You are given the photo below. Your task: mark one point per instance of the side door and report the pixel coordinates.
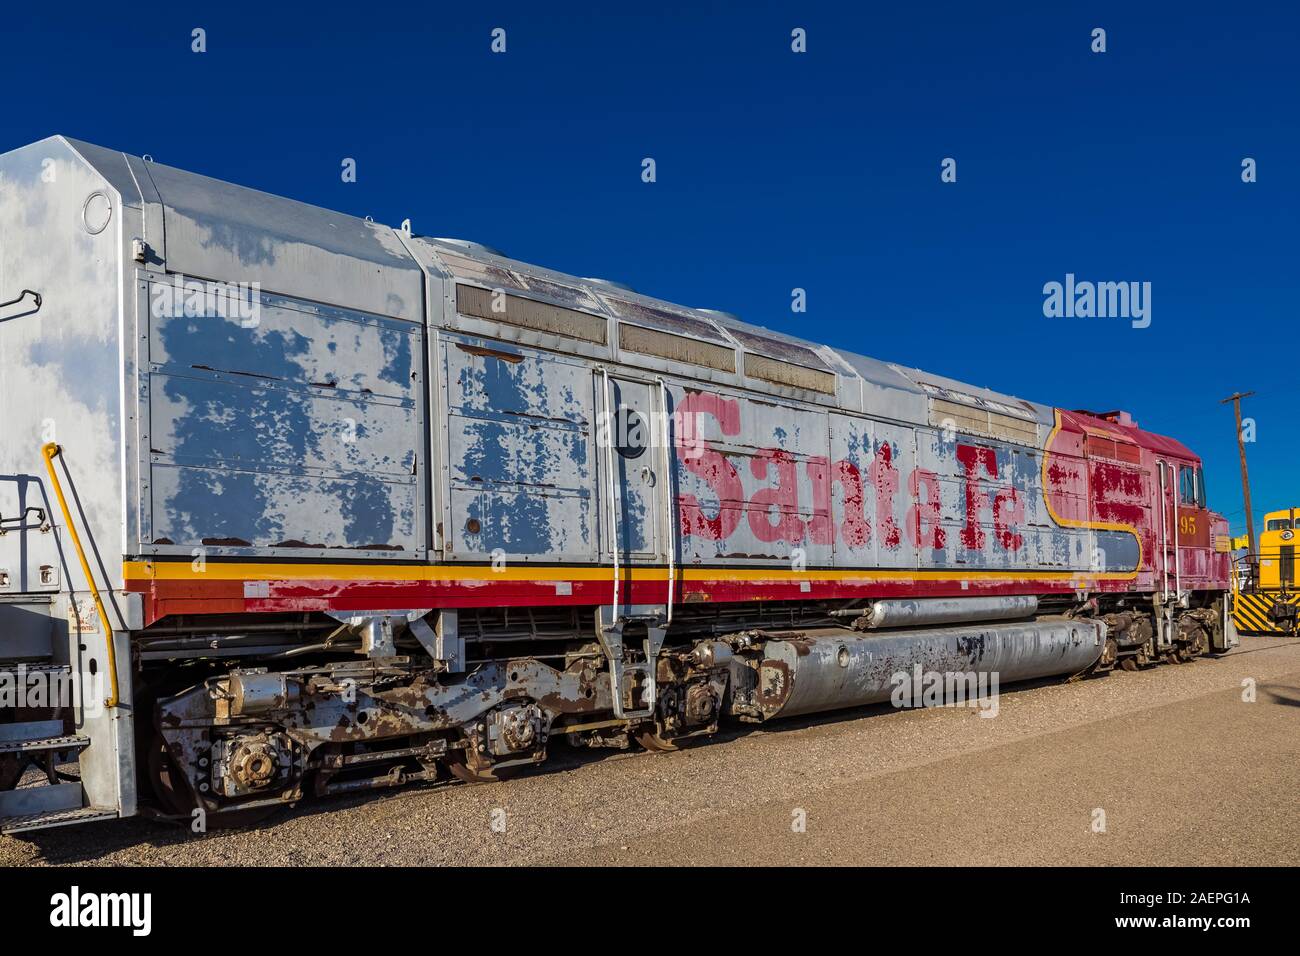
(632, 483)
(519, 470)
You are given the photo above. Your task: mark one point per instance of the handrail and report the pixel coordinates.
(22, 295)
(49, 452)
(1248, 556)
(611, 422)
(1178, 543)
(1250, 562)
(1164, 543)
(670, 532)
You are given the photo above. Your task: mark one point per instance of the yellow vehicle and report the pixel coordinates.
(1266, 599)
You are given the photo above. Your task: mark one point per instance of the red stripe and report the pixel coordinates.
(167, 597)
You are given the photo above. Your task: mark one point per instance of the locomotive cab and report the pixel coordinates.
(1277, 550)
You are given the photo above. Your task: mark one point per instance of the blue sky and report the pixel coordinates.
(777, 170)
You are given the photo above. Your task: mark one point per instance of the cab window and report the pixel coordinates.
(1200, 486)
(1278, 524)
(1187, 484)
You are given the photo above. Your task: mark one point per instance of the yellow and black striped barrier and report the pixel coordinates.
(1252, 612)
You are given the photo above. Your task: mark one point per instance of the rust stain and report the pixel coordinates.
(773, 683)
(479, 350)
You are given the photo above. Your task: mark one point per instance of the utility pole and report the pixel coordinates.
(1245, 483)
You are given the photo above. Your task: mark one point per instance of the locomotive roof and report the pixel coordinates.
(212, 224)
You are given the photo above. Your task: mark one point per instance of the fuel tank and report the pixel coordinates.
(820, 669)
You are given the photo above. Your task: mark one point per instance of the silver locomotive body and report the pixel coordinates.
(361, 507)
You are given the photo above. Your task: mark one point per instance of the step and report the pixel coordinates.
(30, 730)
(40, 799)
(68, 742)
(23, 679)
(53, 818)
(32, 667)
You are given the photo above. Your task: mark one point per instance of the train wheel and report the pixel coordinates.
(176, 800)
(471, 767)
(1106, 662)
(651, 741)
(163, 778)
(1129, 663)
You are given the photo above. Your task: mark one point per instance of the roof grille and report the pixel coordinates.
(981, 421)
(787, 373)
(530, 314)
(677, 348)
(1098, 447)
(782, 351)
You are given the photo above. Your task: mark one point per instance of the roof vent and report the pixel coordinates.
(1116, 417)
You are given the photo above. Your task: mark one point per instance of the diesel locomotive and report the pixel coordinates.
(1266, 599)
(293, 503)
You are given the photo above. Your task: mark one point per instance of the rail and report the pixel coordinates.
(1245, 574)
(1164, 535)
(36, 297)
(670, 529)
(611, 422)
(49, 452)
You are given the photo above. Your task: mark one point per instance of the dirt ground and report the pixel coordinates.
(1167, 766)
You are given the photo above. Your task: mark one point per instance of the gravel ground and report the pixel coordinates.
(1184, 770)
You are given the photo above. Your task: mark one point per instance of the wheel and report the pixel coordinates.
(471, 767)
(1106, 662)
(177, 800)
(163, 778)
(651, 741)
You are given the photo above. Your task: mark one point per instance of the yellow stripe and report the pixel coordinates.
(1251, 613)
(1256, 627)
(1248, 610)
(1246, 616)
(1091, 525)
(223, 571)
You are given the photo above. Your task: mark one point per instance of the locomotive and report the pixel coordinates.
(293, 503)
(1265, 598)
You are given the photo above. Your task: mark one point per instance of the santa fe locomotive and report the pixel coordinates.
(299, 504)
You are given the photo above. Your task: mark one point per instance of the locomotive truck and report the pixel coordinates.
(293, 503)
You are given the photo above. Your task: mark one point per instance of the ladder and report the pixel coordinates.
(36, 741)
